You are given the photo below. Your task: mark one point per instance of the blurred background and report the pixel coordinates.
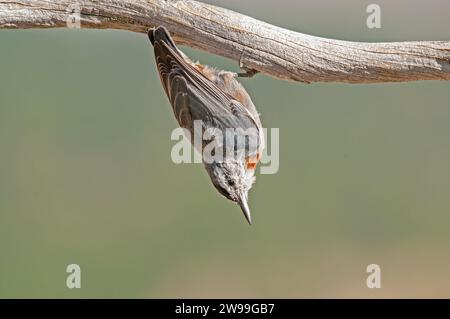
(86, 175)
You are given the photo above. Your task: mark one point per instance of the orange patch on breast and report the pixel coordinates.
(251, 162)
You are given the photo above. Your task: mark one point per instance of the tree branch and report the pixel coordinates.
(275, 51)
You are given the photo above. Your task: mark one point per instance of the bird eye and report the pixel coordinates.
(230, 182)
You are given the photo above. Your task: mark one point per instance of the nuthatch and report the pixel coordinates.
(219, 101)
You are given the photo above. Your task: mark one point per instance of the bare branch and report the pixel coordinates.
(256, 45)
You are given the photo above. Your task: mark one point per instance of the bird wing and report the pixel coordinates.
(194, 97)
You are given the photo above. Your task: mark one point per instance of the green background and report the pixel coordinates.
(86, 175)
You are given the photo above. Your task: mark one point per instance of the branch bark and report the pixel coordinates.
(275, 51)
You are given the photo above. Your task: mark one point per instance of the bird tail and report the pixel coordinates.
(160, 34)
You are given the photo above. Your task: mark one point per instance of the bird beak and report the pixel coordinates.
(244, 206)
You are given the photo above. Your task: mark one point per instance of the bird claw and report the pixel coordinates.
(249, 73)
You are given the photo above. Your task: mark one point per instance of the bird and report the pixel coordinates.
(215, 97)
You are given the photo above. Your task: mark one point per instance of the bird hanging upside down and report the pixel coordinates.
(214, 97)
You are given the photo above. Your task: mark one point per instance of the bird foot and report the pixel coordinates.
(249, 73)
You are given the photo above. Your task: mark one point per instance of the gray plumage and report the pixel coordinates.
(219, 101)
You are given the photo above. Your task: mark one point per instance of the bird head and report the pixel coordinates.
(233, 178)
